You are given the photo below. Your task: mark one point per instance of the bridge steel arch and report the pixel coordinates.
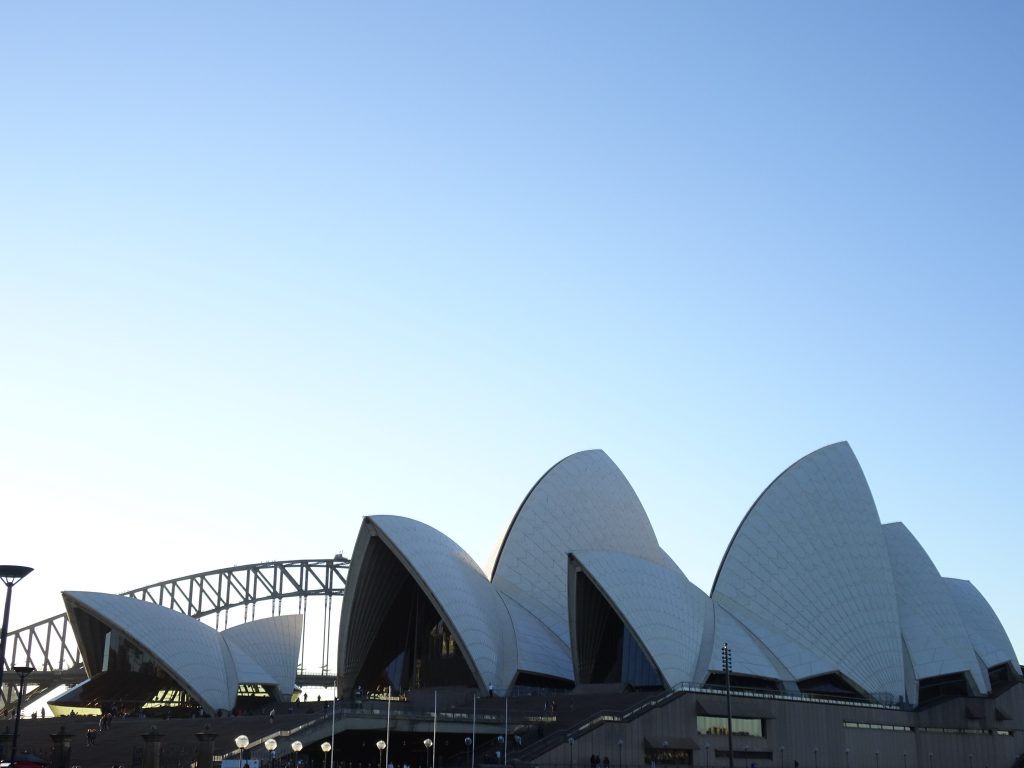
(49, 645)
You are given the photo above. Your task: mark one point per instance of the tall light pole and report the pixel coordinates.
(381, 746)
(387, 734)
(428, 743)
(334, 703)
(727, 668)
(271, 744)
(571, 740)
(325, 747)
(296, 748)
(23, 672)
(9, 575)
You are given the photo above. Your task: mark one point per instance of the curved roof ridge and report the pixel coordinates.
(273, 643)
(192, 652)
(526, 498)
(984, 628)
(584, 502)
(810, 562)
(932, 627)
(761, 495)
(470, 605)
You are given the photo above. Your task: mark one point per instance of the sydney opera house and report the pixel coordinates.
(843, 637)
(814, 596)
(841, 630)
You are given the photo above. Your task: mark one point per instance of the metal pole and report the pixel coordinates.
(727, 666)
(3, 649)
(472, 760)
(505, 753)
(10, 575)
(333, 705)
(3, 629)
(433, 755)
(23, 672)
(387, 738)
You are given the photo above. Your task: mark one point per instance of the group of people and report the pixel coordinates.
(106, 720)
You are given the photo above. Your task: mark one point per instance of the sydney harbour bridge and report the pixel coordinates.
(313, 588)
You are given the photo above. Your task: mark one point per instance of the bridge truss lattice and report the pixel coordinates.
(50, 647)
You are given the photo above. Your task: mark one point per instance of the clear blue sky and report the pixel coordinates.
(267, 268)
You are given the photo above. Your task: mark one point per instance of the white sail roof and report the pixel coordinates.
(809, 562)
(194, 654)
(933, 630)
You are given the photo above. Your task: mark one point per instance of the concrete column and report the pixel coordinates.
(151, 752)
(204, 758)
(61, 749)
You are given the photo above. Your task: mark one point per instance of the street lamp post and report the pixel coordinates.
(727, 668)
(334, 704)
(571, 740)
(620, 753)
(23, 672)
(381, 746)
(271, 744)
(325, 747)
(296, 748)
(241, 742)
(428, 743)
(9, 575)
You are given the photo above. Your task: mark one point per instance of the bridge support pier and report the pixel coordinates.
(61, 749)
(204, 756)
(151, 752)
